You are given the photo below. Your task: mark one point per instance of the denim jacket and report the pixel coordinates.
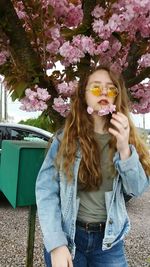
(57, 201)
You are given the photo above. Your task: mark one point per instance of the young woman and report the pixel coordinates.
(90, 166)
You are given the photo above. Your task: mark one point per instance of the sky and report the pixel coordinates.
(17, 114)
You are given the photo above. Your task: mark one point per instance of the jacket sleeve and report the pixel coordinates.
(134, 179)
(48, 201)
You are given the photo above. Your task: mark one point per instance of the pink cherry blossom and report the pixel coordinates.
(71, 53)
(42, 94)
(116, 46)
(21, 10)
(141, 92)
(74, 16)
(67, 89)
(98, 26)
(62, 106)
(145, 60)
(98, 12)
(31, 95)
(35, 100)
(116, 66)
(84, 43)
(65, 49)
(34, 105)
(55, 32)
(21, 14)
(53, 47)
(102, 47)
(90, 110)
(3, 57)
(114, 22)
(106, 110)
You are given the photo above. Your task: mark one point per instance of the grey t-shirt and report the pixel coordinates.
(92, 206)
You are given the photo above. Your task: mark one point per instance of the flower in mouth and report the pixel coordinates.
(106, 110)
(110, 108)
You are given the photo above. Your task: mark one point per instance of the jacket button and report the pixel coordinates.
(110, 221)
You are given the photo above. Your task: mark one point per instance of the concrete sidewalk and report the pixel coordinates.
(13, 235)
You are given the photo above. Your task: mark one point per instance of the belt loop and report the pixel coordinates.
(100, 227)
(86, 227)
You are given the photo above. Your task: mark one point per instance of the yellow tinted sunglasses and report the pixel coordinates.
(112, 91)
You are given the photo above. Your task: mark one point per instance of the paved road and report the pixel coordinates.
(138, 241)
(13, 235)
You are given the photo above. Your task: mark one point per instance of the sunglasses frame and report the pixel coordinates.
(109, 91)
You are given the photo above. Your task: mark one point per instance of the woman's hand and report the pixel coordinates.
(121, 132)
(61, 257)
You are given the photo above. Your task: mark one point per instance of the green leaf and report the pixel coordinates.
(148, 260)
(36, 80)
(50, 10)
(19, 88)
(14, 96)
(69, 33)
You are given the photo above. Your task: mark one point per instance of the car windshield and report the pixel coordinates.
(13, 133)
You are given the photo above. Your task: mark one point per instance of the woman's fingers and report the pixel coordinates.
(120, 118)
(114, 132)
(117, 124)
(70, 263)
(61, 257)
(120, 121)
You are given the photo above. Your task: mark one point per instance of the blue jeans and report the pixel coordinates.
(89, 251)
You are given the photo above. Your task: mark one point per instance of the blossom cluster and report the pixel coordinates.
(125, 19)
(114, 29)
(72, 14)
(67, 89)
(62, 106)
(103, 110)
(106, 50)
(142, 93)
(35, 99)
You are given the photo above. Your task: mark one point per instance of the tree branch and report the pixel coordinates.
(88, 7)
(137, 49)
(145, 73)
(20, 47)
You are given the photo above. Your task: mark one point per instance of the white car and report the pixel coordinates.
(16, 131)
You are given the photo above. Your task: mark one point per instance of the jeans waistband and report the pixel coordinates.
(91, 226)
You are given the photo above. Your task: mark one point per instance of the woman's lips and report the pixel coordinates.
(103, 102)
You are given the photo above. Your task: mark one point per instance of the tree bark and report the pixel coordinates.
(88, 7)
(137, 49)
(145, 73)
(20, 47)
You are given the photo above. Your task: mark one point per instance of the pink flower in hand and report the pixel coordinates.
(89, 110)
(106, 110)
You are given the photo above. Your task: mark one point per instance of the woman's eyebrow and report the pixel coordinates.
(100, 82)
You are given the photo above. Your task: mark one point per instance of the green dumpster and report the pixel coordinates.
(20, 163)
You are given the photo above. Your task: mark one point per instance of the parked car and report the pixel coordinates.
(16, 131)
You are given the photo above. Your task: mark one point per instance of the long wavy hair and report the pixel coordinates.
(79, 131)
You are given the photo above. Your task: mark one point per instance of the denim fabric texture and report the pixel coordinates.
(57, 202)
(89, 251)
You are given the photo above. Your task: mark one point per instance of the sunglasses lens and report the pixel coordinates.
(96, 90)
(112, 92)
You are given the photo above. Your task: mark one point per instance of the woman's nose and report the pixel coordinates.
(104, 90)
